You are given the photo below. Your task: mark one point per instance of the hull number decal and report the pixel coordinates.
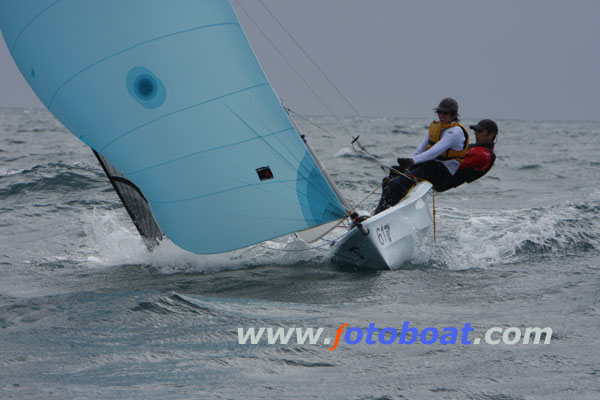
(384, 234)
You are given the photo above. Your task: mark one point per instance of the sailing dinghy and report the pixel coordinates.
(181, 116)
(387, 240)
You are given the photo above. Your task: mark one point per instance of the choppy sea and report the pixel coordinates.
(87, 312)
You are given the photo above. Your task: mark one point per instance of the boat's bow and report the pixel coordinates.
(392, 234)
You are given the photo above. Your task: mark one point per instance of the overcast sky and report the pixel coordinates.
(505, 59)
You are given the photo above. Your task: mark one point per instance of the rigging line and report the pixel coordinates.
(411, 178)
(316, 65)
(362, 149)
(355, 139)
(434, 225)
(323, 103)
(289, 110)
(370, 194)
(272, 147)
(386, 168)
(310, 58)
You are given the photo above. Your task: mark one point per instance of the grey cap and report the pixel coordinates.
(486, 125)
(447, 105)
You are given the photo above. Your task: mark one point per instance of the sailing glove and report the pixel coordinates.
(405, 163)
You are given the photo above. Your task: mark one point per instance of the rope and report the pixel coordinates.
(316, 65)
(361, 149)
(311, 59)
(290, 111)
(370, 194)
(434, 227)
(308, 85)
(386, 168)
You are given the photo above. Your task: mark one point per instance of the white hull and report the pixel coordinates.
(392, 234)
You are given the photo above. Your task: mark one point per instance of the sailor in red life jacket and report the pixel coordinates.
(480, 157)
(436, 159)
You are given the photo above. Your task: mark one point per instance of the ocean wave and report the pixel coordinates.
(464, 242)
(512, 236)
(348, 152)
(53, 177)
(43, 129)
(171, 305)
(403, 130)
(5, 172)
(530, 166)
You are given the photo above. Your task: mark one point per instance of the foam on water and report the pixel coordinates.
(464, 241)
(4, 171)
(111, 240)
(508, 236)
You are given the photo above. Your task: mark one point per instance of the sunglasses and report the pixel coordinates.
(442, 112)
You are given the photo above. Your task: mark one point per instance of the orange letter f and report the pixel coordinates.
(337, 338)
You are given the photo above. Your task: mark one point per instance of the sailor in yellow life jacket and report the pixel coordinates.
(436, 159)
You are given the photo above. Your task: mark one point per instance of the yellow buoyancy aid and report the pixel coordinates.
(435, 131)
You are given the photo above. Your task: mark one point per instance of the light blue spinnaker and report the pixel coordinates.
(172, 95)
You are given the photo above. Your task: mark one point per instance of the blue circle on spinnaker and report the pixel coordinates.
(145, 87)
(318, 202)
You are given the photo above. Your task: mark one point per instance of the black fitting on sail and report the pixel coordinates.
(357, 222)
